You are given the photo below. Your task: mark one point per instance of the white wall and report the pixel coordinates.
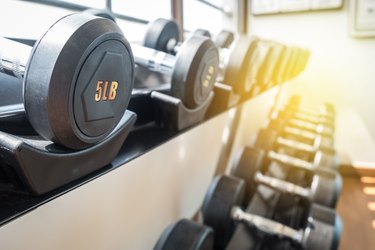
(341, 70)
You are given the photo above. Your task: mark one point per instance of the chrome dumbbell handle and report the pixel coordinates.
(266, 226)
(318, 128)
(153, 60)
(300, 132)
(281, 185)
(296, 145)
(291, 161)
(13, 57)
(312, 119)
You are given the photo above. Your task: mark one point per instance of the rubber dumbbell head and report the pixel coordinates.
(77, 87)
(221, 210)
(186, 235)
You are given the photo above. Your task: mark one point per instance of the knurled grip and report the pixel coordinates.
(13, 57)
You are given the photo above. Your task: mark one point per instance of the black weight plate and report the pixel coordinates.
(328, 158)
(242, 67)
(281, 64)
(319, 235)
(186, 235)
(195, 71)
(101, 13)
(324, 191)
(201, 32)
(335, 180)
(297, 65)
(223, 194)
(162, 34)
(67, 99)
(267, 70)
(288, 73)
(337, 233)
(224, 39)
(248, 162)
(266, 139)
(322, 213)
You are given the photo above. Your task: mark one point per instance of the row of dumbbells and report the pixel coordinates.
(76, 88)
(278, 195)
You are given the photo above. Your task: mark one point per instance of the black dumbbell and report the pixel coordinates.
(324, 188)
(237, 67)
(222, 40)
(164, 35)
(222, 211)
(271, 64)
(193, 70)
(312, 118)
(298, 134)
(75, 88)
(315, 127)
(269, 139)
(302, 60)
(308, 137)
(186, 234)
(281, 64)
(324, 115)
(289, 69)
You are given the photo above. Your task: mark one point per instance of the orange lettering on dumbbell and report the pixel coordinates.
(102, 91)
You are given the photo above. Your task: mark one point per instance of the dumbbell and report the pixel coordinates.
(319, 128)
(268, 139)
(302, 60)
(308, 137)
(164, 35)
(324, 114)
(273, 55)
(186, 235)
(75, 88)
(237, 64)
(293, 58)
(278, 121)
(281, 64)
(324, 188)
(193, 70)
(222, 211)
(222, 40)
(313, 118)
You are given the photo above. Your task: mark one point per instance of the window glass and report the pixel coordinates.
(26, 19)
(98, 4)
(143, 9)
(198, 15)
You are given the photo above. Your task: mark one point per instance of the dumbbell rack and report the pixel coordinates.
(158, 177)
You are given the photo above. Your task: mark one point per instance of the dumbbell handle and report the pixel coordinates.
(281, 185)
(318, 128)
(307, 125)
(295, 145)
(153, 60)
(321, 112)
(266, 225)
(312, 119)
(291, 161)
(300, 132)
(11, 110)
(13, 57)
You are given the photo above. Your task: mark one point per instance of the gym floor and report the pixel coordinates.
(357, 210)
